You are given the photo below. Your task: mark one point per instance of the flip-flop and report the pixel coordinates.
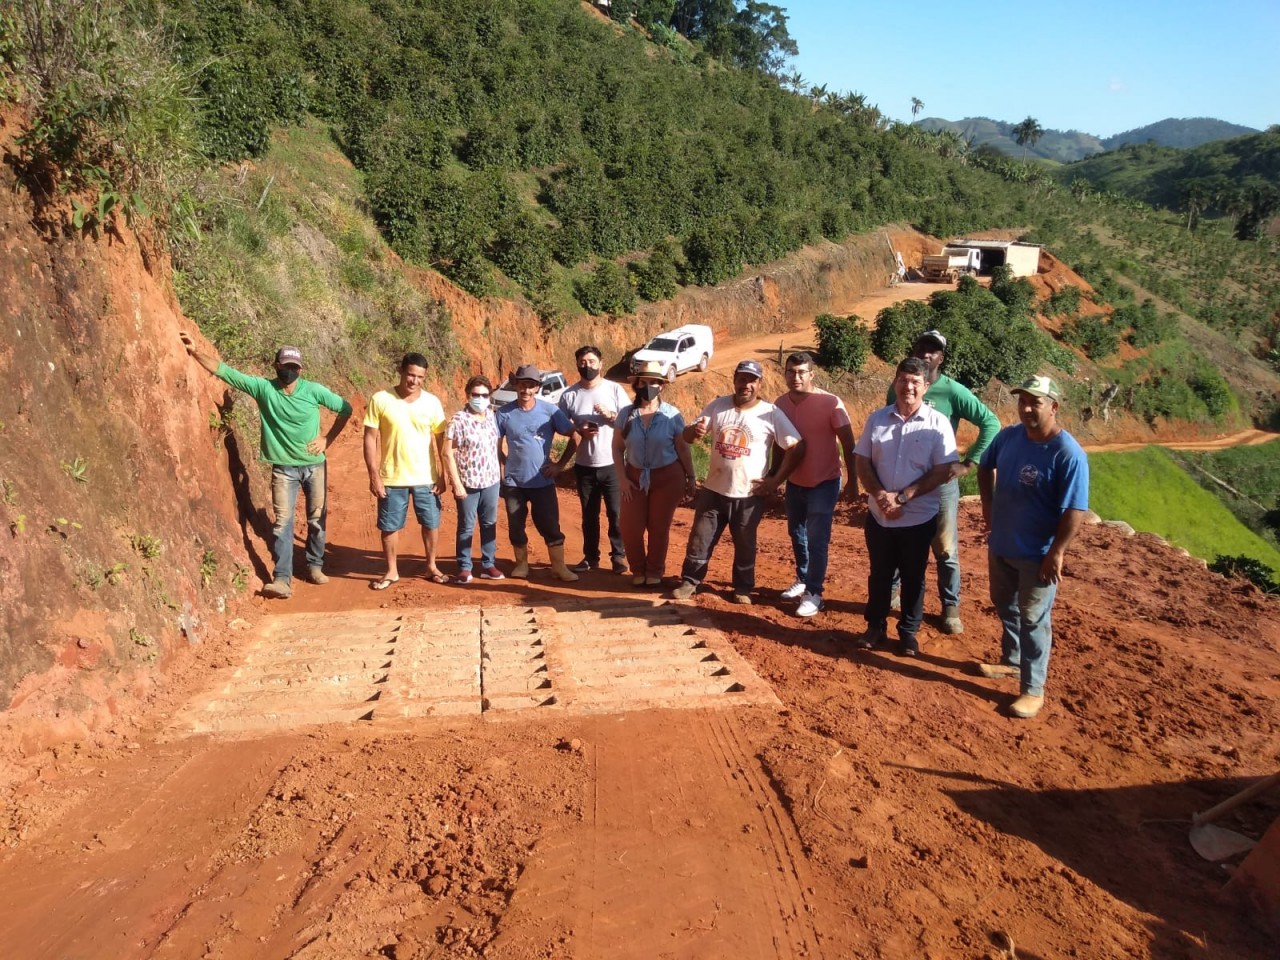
(383, 583)
(437, 578)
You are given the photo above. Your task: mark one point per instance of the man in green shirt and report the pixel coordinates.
(955, 402)
(289, 408)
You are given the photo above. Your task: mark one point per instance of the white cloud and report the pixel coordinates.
(1116, 85)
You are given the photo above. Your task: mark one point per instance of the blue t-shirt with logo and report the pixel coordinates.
(529, 434)
(1035, 484)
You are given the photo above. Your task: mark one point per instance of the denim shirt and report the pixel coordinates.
(653, 447)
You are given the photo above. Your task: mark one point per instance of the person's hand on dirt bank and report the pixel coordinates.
(206, 361)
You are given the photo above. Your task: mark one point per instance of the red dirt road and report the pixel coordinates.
(889, 809)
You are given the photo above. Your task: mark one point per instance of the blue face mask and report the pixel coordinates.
(478, 404)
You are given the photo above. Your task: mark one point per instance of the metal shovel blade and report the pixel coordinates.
(1218, 843)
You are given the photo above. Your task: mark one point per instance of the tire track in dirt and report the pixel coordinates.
(684, 852)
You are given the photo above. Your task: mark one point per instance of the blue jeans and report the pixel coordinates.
(810, 511)
(285, 482)
(1024, 605)
(482, 501)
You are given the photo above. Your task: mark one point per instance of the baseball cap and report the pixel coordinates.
(289, 355)
(935, 336)
(1039, 387)
(751, 367)
(527, 371)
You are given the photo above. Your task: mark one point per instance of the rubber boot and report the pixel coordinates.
(557, 564)
(521, 569)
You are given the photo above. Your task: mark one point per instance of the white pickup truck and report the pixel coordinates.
(553, 384)
(690, 347)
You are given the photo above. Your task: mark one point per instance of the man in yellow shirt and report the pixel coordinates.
(403, 431)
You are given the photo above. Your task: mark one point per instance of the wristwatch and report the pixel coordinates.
(900, 499)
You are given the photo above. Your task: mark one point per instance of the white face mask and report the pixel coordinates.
(478, 404)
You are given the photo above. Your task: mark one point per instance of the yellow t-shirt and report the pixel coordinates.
(405, 432)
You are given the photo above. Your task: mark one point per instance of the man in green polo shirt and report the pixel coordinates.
(289, 408)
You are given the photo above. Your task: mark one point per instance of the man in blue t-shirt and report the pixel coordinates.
(527, 425)
(1034, 483)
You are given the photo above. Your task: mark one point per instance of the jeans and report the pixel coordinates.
(905, 549)
(1024, 605)
(810, 512)
(393, 509)
(285, 482)
(482, 501)
(946, 545)
(594, 485)
(712, 512)
(546, 514)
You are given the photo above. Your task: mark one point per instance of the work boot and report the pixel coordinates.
(557, 564)
(999, 671)
(521, 569)
(316, 575)
(1026, 706)
(951, 619)
(686, 590)
(278, 589)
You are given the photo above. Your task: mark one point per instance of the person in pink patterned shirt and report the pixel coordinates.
(471, 457)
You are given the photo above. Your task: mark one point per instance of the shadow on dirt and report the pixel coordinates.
(1132, 841)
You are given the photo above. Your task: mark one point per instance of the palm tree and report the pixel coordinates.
(1028, 132)
(916, 106)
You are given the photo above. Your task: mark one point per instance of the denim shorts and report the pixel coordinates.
(394, 508)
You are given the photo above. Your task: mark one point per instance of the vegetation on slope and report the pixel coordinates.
(1149, 491)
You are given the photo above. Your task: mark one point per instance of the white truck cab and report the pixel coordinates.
(553, 384)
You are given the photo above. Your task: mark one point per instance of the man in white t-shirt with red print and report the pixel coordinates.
(743, 431)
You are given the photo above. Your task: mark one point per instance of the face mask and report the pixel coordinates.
(648, 392)
(287, 375)
(478, 404)
(588, 373)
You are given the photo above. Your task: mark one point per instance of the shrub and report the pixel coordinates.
(1244, 567)
(1148, 326)
(1016, 293)
(897, 328)
(843, 343)
(657, 278)
(1064, 302)
(607, 290)
(1092, 334)
(1211, 387)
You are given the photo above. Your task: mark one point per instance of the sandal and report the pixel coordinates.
(437, 578)
(383, 583)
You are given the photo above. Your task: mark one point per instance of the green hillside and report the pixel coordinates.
(1062, 146)
(1151, 493)
(1183, 133)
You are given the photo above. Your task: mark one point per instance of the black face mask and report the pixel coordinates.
(647, 393)
(588, 373)
(287, 375)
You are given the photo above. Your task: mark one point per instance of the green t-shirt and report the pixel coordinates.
(956, 402)
(289, 420)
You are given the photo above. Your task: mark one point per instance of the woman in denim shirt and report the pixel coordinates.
(657, 473)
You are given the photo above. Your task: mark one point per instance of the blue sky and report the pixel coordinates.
(1099, 67)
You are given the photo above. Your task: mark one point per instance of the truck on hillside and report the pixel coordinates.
(951, 264)
(686, 348)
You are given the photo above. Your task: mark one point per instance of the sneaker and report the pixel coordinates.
(278, 590)
(951, 620)
(810, 604)
(795, 591)
(464, 576)
(491, 573)
(908, 648)
(316, 575)
(872, 637)
(999, 671)
(1026, 706)
(637, 581)
(653, 581)
(620, 567)
(686, 590)
(582, 566)
(742, 599)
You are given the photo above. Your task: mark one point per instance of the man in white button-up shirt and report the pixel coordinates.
(902, 457)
